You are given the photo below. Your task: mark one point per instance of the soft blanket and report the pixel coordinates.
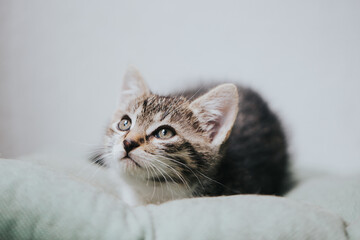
(41, 202)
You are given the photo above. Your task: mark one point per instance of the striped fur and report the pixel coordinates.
(209, 155)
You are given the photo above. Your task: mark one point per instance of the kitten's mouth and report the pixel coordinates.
(128, 158)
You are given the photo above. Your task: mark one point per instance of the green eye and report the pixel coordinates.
(124, 124)
(164, 133)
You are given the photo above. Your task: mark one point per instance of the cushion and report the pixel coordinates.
(42, 202)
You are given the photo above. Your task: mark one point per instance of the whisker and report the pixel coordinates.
(195, 93)
(207, 177)
(155, 175)
(173, 160)
(98, 158)
(166, 182)
(177, 173)
(148, 176)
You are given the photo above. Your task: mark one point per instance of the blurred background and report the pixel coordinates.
(61, 65)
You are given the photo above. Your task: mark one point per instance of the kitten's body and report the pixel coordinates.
(255, 158)
(223, 142)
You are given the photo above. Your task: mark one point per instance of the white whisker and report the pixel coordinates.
(177, 173)
(155, 175)
(173, 160)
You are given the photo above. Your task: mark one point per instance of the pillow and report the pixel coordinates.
(37, 202)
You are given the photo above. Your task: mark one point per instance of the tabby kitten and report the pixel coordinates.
(199, 143)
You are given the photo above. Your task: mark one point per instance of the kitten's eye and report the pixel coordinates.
(164, 133)
(124, 124)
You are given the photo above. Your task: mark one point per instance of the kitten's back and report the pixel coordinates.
(255, 157)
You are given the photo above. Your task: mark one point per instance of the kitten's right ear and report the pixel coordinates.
(133, 86)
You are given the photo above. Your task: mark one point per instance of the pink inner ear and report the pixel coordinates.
(214, 129)
(217, 111)
(218, 119)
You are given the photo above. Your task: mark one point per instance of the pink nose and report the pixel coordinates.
(130, 145)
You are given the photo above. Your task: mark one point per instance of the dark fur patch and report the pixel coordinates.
(254, 158)
(145, 105)
(97, 158)
(164, 179)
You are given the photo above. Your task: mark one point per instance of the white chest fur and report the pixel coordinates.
(137, 192)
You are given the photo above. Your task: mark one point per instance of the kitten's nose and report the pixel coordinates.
(130, 145)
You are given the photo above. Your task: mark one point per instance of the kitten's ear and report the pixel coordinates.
(133, 86)
(217, 111)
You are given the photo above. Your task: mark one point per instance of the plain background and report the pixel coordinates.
(62, 63)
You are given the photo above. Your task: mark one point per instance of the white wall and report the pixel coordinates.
(62, 61)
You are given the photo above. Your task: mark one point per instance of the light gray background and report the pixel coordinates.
(62, 62)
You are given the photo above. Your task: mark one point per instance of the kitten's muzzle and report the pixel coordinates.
(130, 145)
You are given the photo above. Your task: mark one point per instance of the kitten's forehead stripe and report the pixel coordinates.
(144, 105)
(165, 114)
(174, 108)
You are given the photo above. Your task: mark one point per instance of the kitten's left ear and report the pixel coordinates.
(217, 111)
(133, 86)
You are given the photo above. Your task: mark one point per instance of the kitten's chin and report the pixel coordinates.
(129, 162)
(128, 167)
(124, 163)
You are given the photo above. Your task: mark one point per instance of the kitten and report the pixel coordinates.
(203, 142)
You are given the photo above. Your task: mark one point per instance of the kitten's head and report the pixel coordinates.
(164, 138)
